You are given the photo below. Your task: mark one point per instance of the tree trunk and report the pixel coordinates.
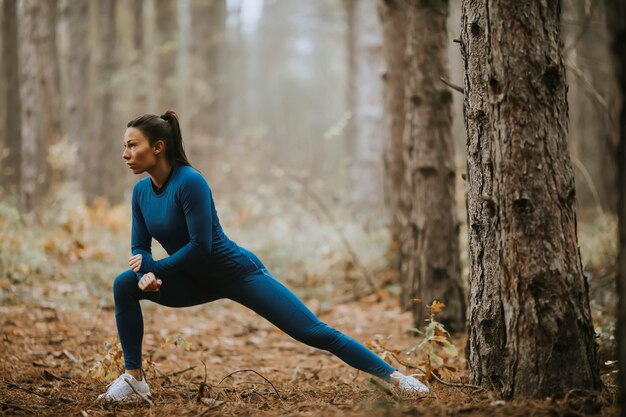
(183, 69)
(616, 13)
(77, 15)
(208, 113)
(105, 155)
(392, 15)
(166, 45)
(51, 96)
(209, 35)
(349, 7)
(530, 332)
(367, 111)
(141, 61)
(11, 163)
(429, 243)
(592, 128)
(29, 15)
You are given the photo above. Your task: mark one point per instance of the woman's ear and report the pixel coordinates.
(159, 146)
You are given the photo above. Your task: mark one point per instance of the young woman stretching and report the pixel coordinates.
(174, 204)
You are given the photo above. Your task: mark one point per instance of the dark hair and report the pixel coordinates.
(164, 127)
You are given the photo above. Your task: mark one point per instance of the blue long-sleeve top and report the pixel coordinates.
(182, 217)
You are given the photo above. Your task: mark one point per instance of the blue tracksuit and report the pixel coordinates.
(205, 265)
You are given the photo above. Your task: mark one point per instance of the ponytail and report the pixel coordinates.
(165, 127)
(176, 149)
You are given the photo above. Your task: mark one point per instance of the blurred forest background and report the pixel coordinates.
(282, 109)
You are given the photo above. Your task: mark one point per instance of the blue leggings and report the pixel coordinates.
(259, 291)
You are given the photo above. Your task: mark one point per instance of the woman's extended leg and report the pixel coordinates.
(180, 291)
(268, 297)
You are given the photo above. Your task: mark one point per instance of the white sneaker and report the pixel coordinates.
(119, 390)
(409, 384)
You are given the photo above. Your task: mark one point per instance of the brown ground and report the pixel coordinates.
(46, 353)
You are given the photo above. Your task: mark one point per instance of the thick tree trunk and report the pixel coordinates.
(393, 18)
(530, 325)
(11, 163)
(429, 254)
(616, 13)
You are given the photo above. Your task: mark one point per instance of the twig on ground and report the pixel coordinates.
(143, 397)
(212, 403)
(6, 405)
(32, 391)
(252, 370)
(203, 385)
(441, 381)
(29, 390)
(182, 371)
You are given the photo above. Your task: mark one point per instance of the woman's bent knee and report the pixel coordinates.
(125, 284)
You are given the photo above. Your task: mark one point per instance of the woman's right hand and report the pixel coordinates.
(135, 262)
(149, 282)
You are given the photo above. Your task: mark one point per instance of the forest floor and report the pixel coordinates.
(59, 347)
(252, 368)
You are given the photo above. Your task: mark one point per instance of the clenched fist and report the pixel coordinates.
(149, 282)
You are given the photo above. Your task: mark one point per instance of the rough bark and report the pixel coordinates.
(392, 15)
(429, 242)
(531, 332)
(11, 163)
(616, 13)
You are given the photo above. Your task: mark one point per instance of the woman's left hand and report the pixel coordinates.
(135, 262)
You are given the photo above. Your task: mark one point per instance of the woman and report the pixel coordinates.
(174, 204)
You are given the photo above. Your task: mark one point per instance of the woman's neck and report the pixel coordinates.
(160, 172)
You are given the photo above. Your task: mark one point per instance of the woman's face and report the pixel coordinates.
(138, 153)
